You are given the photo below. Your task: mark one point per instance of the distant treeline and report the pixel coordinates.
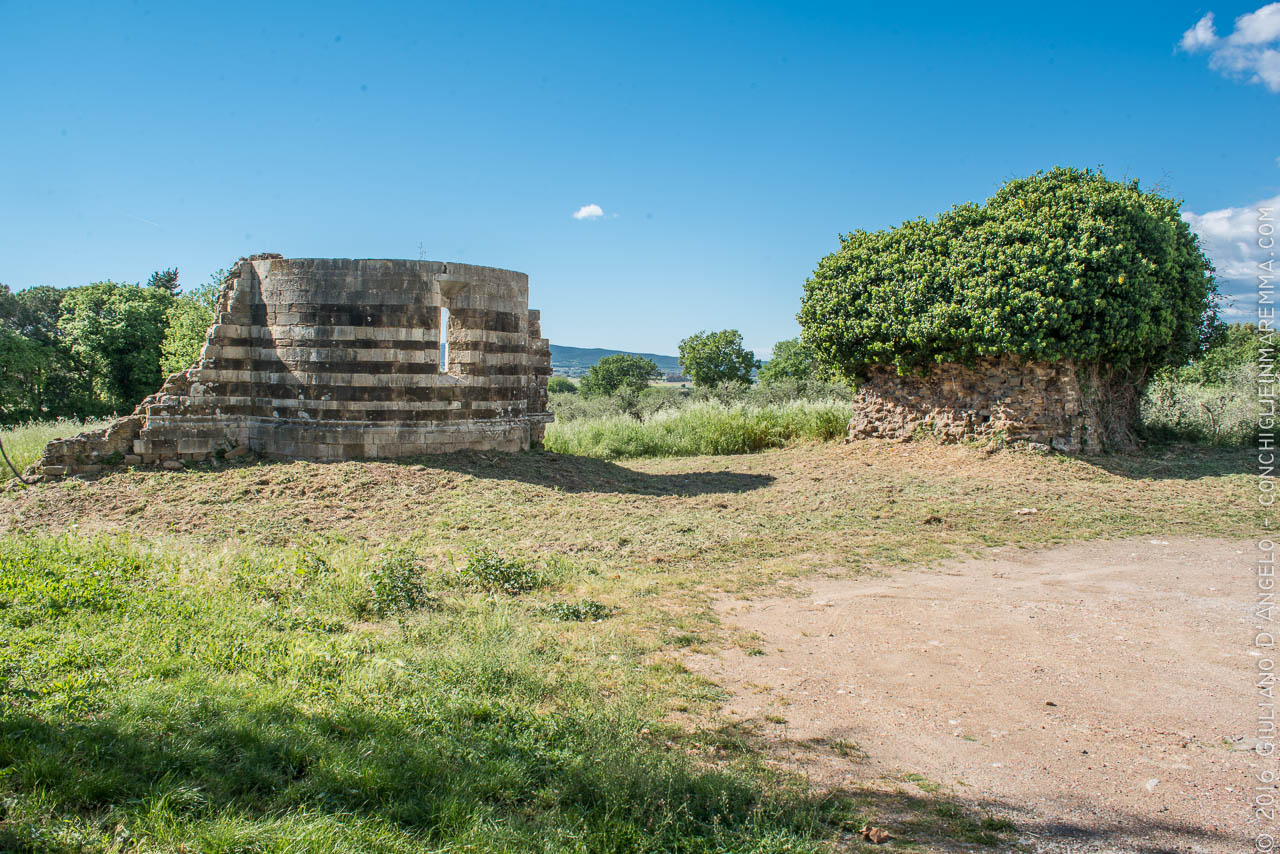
(98, 349)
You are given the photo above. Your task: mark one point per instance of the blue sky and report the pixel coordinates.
(726, 145)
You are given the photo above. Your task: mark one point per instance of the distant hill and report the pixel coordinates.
(574, 361)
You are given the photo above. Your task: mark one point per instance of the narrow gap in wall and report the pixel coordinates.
(444, 340)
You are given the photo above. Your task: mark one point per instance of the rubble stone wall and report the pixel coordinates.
(334, 359)
(1022, 401)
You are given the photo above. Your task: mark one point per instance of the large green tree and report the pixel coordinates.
(166, 280)
(620, 372)
(114, 332)
(712, 358)
(792, 360)
(1063, 265)
(189, 319)
(39, 378)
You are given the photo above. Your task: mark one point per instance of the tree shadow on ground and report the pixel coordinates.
(952, 823)
(1176, 462)
(961, 824)
(569, 473)
(474, 775)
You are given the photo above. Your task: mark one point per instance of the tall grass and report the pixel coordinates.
(24, 442)
(700, 428)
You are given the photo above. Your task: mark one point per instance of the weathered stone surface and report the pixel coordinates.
(334, 359)
(1022, 401)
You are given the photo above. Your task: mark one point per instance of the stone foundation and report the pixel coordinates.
(336, 359)
(1023, 402)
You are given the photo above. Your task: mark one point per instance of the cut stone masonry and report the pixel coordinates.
(337, 359)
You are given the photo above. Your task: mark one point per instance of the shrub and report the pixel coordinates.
(561, 385)
(588, 610)
(574, 407)
(1064, 264)
(1222, 413)
(495, 573)
(394, 586)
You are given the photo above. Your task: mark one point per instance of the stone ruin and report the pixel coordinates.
(1040, 404)
(339, 359)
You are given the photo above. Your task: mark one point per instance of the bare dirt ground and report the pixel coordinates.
(1099, 695)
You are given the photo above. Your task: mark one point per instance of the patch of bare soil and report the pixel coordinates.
(1099, 695)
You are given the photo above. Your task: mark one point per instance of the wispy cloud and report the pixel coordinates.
(595, 211)
(1250, 50)
(147, 221)
(1229, 237)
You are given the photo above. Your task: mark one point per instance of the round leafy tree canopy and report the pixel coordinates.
(1065, 264)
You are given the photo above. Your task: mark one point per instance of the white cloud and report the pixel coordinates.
(1258, 27)
(1230, 238)
(1200, 36)
(594, 211)
(1252, 49)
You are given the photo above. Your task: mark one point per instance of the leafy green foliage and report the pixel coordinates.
(39, 379)
(622, 371)
(588, 610)
(99, 349)
(1065, 264)
(712, 358)
(1231, 347)
(561, 385)
(189, 319)
(166, 280)
(792, 360)
(795, 371)
(395, 586)
(497, 573)
(114, 333)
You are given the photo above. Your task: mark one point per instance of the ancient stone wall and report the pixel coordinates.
(1021, 401)
(333, 359)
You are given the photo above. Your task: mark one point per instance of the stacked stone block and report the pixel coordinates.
(1022, 401)
(333, 359)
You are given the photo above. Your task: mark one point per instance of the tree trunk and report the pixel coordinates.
(1112, 399)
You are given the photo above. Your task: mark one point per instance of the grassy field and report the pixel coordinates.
(480, 652)
(24, 442)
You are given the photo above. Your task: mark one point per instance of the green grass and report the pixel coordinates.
(700, 428)
(233, 703)
(24, 442)
(479, 652)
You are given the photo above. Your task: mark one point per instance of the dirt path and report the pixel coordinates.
(1100, 695)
